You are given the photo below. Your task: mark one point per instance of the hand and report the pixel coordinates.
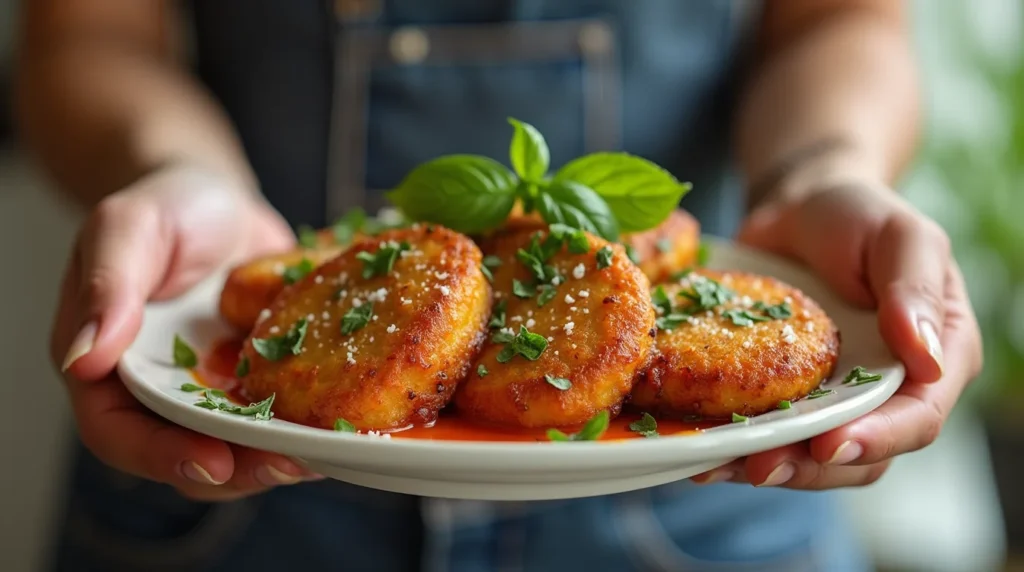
(876, 251)
(151, 241)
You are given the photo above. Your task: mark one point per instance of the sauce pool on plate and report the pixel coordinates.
(217, 370)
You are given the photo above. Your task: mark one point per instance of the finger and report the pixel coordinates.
(123, 252)
(123, 434)
(907, 270)
(791, 467)
(255, 472)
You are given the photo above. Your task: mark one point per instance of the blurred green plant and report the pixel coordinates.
(973, 184)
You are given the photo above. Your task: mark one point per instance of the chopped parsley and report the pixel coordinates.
(737, 418)
(785, 404)
(193, 388)
(706, 293)
(481, 370)
(487, 273)
(259, 411)
(490, 261)
(276, 347)
(741, 317)
(521, 290)
(356, 318)
(820, 393)
(294, 273)
(604, 257)
(536, 255)
(307, 237)
(860, 376)
(780, 311)
(381, 262)
(633, 255)
(591, 431)
(647, 426)
(547, 293)
(664, 245)
(345, 228)
(668, 320)
(184, 355)
(343, 426)
(242, 369)
(576, 238)
(525, 343)
(498, 316)
(558, 382)
(661, 300)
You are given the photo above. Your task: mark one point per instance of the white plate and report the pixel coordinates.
(511, 471)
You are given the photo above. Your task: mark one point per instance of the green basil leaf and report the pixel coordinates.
(640, 193)
(184, 355)
(356, 318)
(559, 383)
(343, 426)
(466, 193)
(576, 205)
(556, 435)
(528, 152)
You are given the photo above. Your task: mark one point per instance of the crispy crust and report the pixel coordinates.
(713, 368)
(437, 301)
(608, 344)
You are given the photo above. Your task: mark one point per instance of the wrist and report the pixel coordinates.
(824, 164)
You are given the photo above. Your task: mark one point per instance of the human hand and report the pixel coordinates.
(876, 251)
(151, 241)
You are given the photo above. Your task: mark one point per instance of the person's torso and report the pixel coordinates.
(336, 101)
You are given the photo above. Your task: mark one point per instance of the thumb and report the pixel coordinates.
(908, 268)
(121, 256)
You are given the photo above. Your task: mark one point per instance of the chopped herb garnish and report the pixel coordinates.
(860, 376)
(536, 255)
(502, 337)
(492, 261)
(259, 411)
(633, 255)
(604, 257)
(184, 355)
(547, 293)
(776, 312)
(526, 343)
(661, 300)
(343, 426)
(307, 237)
(664, 245)
(591, 431)
(381, 262)
(670, 321)
(191, 387)
(820, 393)
(242, 368)
(277, 347)
(346, 227)
(498, 317)
(647, 426)
(558, 382)
(481, 370)
(576, 238)
(785, 404)
(293, 274)
(707, 293)
(356, 318)
(521, 290)
(703, 254)
(487, 273)
(737, 418)
(742, 317)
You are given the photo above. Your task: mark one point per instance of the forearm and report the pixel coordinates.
(836, 103)
(101, 113)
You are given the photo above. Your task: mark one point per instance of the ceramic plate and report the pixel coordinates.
(511, 470)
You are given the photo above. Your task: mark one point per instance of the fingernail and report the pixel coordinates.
(197, 473)
(780, 475)
(81, 345)
(846, 453)
(271, 476)
(717, 477)
(930, 338)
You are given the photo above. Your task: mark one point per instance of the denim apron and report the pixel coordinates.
(334, 103)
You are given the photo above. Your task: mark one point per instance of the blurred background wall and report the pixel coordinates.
(957, 506)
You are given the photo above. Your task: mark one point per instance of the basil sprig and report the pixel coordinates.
(602, 193)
